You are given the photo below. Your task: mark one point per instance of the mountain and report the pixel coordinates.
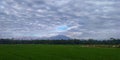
(59, 37)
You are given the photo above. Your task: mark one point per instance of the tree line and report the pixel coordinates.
(111, 41)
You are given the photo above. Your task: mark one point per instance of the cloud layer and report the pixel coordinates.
(99, 19)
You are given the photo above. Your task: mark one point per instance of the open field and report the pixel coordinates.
(57, 52)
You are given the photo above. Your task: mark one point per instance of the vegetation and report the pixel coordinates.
(11, 49)
(111, 41)
(56, 52)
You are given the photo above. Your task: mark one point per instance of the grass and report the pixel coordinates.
(57, 52)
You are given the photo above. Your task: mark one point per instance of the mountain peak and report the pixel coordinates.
(59, 37)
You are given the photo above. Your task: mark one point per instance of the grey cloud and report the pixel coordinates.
(84, 18)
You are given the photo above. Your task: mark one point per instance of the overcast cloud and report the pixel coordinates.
(99, 19)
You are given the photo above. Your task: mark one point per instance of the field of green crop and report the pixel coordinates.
(57, 52)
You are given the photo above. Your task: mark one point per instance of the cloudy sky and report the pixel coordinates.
(98, 19)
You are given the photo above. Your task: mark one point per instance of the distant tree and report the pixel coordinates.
(111, 41)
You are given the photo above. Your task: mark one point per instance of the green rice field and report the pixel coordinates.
(57, 52)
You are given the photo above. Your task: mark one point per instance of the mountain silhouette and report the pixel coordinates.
(59, 37)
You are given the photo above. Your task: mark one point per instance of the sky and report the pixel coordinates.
(81, 19)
